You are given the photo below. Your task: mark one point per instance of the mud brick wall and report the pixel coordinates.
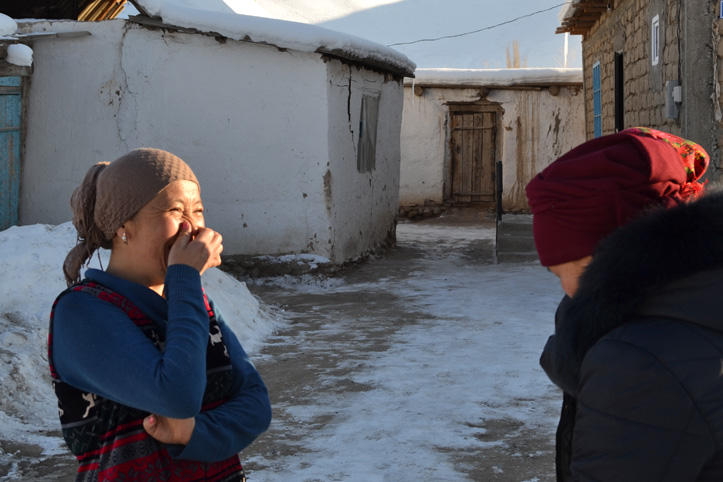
(627, 29)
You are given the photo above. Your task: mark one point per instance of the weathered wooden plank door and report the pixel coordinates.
(473, 153)
(10, 122)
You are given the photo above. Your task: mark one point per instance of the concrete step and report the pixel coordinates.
(517, 257)
(515, 224)
(515, 242)
(510, 244)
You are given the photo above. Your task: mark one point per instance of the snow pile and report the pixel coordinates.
(8, 26)
(242, 7)
(19, 54)
(211, 17)
(251, 321)
(247, 7)
(31, 258)
(567, 10)
(313, 261)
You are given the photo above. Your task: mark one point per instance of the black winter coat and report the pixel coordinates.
(640, 347)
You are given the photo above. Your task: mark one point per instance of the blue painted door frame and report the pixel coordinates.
(10, 145)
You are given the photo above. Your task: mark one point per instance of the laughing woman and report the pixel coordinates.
(151, 383)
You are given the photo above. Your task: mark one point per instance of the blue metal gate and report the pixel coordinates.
(10, 144)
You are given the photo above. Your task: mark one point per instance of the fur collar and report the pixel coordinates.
(630, 266)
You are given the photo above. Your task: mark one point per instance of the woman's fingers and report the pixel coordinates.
(184, 235)
(169, 430)
(201, 251)
(213, 241)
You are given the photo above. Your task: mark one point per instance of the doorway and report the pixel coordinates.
(473, 151)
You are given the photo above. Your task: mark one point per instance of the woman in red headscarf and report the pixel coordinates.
(638, 343)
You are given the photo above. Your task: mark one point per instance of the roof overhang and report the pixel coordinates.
(582, 15)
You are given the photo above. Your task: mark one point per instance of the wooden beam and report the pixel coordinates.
(117, 9)
(140, 8)
(575, 29)
(594, 3)
(581, 22)
(44, 35)
(110, 6)
(11, 70)
(586, 16)
(585, 23)
(87, 12)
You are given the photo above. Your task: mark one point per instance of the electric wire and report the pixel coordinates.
(481, 29)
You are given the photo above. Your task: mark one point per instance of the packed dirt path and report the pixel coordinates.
(344, 327)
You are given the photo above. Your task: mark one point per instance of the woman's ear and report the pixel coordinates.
(122, 234)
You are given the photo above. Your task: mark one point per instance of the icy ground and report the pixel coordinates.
(420, 365)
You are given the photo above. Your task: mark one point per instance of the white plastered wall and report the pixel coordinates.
(364, 209)
(251, 120)
(423, 147)
(537, 128)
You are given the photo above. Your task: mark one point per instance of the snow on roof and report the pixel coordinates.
(217, 17)
(567, 10)
(8, 26)
(19, 54)
(497, 77)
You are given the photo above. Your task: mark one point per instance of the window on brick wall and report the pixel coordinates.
(596, 100)
(655, 40)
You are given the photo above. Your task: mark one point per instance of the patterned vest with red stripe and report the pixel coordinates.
(108, 438)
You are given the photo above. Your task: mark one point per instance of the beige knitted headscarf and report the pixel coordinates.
(112, 193)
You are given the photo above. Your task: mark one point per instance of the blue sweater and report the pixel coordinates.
(97, 348)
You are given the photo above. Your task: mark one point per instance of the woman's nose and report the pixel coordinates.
(194, 221)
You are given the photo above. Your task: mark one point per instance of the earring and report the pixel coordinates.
(124, 238)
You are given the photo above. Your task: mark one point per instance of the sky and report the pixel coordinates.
(409, 26)
(503, 339)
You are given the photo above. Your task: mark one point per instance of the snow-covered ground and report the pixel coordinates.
(473, 358)
(469, 364)
(462, 34)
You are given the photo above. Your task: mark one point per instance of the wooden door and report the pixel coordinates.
(10, 112)
(473, 150)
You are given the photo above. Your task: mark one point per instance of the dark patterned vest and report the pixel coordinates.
(108, 438)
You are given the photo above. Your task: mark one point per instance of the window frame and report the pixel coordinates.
(655, 40)
(597, 99)
(367, 143)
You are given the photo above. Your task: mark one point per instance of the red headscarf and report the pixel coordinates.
(583, 196)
